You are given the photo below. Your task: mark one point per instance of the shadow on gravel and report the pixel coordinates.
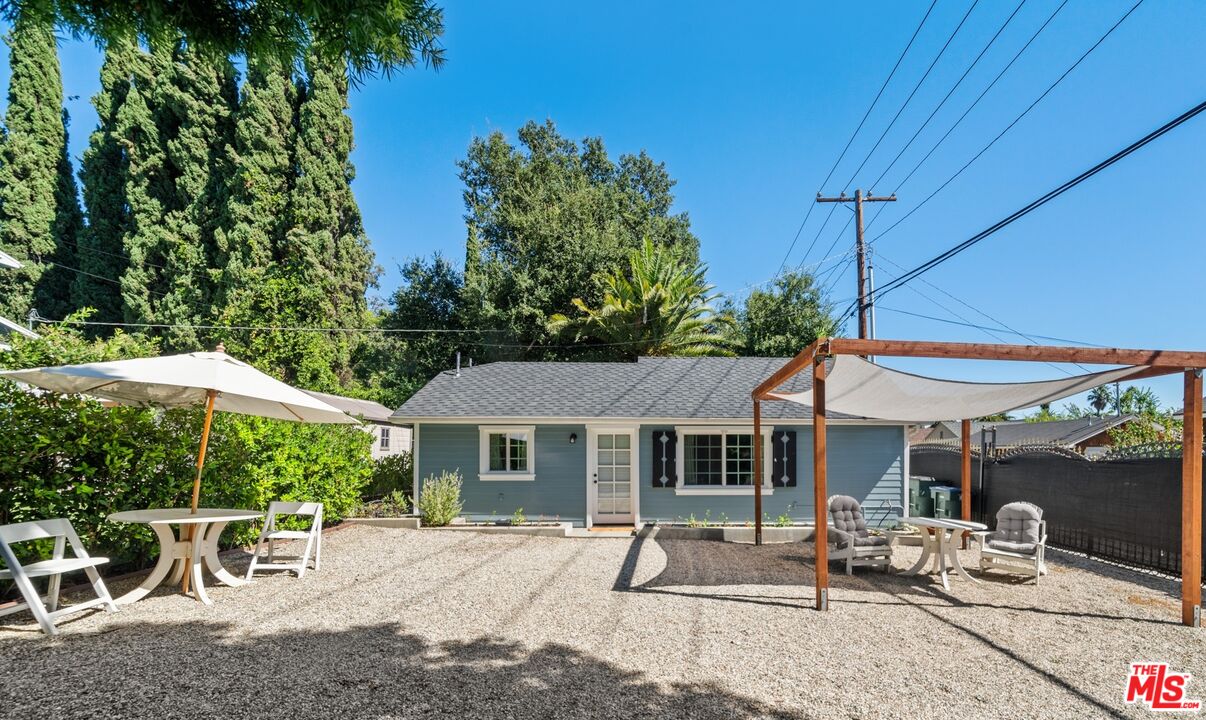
(215, 670)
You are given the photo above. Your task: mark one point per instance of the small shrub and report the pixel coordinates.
(395, 504)
(440, 499)
(518, 518)
(390, 473)
(783, 520)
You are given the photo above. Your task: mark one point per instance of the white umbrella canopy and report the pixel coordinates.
(185, 380)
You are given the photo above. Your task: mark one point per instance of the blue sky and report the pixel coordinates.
(749, 108)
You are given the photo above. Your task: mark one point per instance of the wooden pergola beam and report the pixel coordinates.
(1177, 359)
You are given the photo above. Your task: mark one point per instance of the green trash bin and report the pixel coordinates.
(921, 504)
(946, 501)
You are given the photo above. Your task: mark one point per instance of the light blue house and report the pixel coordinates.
(660, 439)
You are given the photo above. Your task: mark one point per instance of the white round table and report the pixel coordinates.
(185, 553)
(940, 542)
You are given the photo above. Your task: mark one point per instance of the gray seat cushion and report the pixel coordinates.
(1018, 528)
(849, 525)
(1024, 548)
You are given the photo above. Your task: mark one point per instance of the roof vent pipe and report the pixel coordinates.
(458, 363)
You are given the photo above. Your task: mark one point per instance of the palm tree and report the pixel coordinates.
(1099, 399)
(661, 306)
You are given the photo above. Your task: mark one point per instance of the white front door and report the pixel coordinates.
(611, 476)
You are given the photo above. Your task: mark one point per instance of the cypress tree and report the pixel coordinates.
(147, 191)
(176, 124)
(325, 264)
(260, 179)
(39, 208)
(195, 98)
(104, 174)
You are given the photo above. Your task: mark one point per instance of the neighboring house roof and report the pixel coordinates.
(672, 388)
(367, 409)
(1068, 433)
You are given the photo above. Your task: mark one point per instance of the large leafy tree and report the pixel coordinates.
(428, 300)
(784, 318)
(661, 304)
(370, 36)
(103, 174)
(40, 216)
(546, 216)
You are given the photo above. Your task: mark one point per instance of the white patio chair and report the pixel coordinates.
(1019, 542)
(854, 543)
(45, 608)
(271, 534)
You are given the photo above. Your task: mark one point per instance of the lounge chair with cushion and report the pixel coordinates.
(854, 543)
(1018, 544)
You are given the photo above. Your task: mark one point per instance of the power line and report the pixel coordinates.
(1046, 198)
(1027, 336)
(950, 92)
(973, 105)
(378, 330)
(1015, 121)
(853, 135)
(1006, 328)
(909, 99)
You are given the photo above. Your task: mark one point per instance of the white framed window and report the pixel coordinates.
(384, 438)
(720, 460)
(507, 453)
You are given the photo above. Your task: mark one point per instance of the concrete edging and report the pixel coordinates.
(770, 535)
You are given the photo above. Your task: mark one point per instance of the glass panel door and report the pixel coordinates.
(613, 476)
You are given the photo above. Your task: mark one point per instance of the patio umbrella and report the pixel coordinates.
(213, 379)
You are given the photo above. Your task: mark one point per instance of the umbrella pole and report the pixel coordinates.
(209, 416)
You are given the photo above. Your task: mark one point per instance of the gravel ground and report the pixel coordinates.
(403, 623)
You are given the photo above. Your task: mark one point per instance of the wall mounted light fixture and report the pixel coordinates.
(573, 438)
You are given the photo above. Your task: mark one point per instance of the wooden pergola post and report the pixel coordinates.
(758, 450)
(965, 477)
(819, 482)
(1191, 501)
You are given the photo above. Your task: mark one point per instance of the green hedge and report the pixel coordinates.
(71, 457)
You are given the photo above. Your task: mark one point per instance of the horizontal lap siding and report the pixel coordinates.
(559, 489)
(864, 461)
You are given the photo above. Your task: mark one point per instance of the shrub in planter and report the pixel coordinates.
(440, 498)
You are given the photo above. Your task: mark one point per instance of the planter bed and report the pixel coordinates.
(541, 529)
(728, 533)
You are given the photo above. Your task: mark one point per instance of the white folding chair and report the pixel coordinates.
(45, 608)
(271, 534)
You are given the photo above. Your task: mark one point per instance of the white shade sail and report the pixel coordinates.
(854, 386)
(184, 380)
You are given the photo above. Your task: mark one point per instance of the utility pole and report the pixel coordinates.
(859, 247)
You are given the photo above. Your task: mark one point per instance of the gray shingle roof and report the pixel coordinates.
(677, 388)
